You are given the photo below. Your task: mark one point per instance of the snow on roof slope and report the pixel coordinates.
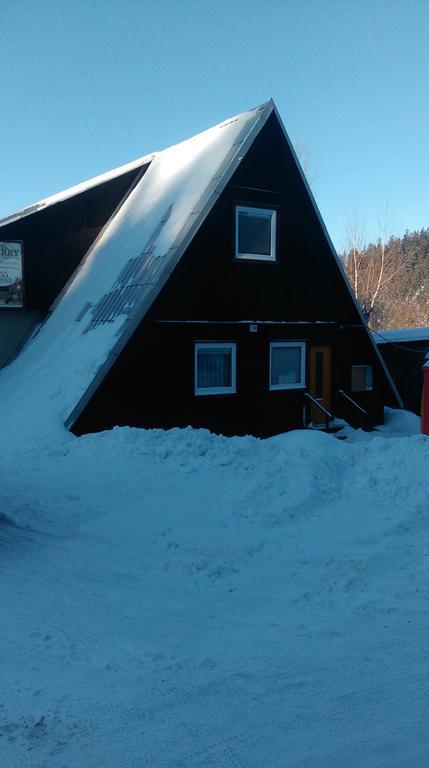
(401, 334)
(148, 233)
(77, 189)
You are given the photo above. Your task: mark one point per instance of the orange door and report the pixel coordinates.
(320, 382)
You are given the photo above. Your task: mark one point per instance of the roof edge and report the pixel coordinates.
(76, 189)
(101, 233)
(336, 257)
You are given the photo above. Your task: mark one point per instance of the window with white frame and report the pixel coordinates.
(287, 364)
(255, 233)
(215, 368)
(362, 378)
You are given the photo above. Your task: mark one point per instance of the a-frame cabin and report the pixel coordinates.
(219, 299)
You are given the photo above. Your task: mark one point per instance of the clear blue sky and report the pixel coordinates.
(87, 85)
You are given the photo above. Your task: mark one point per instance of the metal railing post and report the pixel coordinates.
(328, 416)
(350, 399)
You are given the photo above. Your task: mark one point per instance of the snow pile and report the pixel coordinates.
(397, 423)
(181, 600)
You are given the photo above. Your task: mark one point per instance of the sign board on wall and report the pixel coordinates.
(11, 283)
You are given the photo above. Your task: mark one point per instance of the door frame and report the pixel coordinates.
(320, 381)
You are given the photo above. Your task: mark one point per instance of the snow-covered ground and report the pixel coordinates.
(181, 600)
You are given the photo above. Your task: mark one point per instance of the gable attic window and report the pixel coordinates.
(255, 233)
(362, 378)
(215, 365)
(287, 365)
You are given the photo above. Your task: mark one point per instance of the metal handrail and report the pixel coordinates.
(319, 405)
(350, 399)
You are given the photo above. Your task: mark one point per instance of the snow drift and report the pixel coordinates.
(180, 599)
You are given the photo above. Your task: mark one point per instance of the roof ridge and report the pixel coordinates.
(120, 170)
(77, 189)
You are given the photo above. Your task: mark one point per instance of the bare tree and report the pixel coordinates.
(373, 269)
(310, 170)
(353, 257)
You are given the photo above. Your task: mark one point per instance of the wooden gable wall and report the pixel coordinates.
(303, 284)
(57, 238)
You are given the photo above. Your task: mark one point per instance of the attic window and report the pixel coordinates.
(361, 378)
(255, 233)
(215, 368)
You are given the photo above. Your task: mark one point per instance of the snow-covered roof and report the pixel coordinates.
(127, 267)
(401, 335)
(77, 189)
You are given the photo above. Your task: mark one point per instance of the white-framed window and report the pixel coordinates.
(287, 364)
(255, 233)
(362, 378)
(215, 368)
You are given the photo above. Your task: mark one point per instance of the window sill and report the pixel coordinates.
(254, 257)
(215, 391)
(286, 387)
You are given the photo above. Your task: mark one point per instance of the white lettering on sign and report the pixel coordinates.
(10, 251)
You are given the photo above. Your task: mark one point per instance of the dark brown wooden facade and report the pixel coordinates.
(404, 360)
(211, 296)
(56, 238)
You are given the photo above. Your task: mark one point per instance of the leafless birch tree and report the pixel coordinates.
(373, 269)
